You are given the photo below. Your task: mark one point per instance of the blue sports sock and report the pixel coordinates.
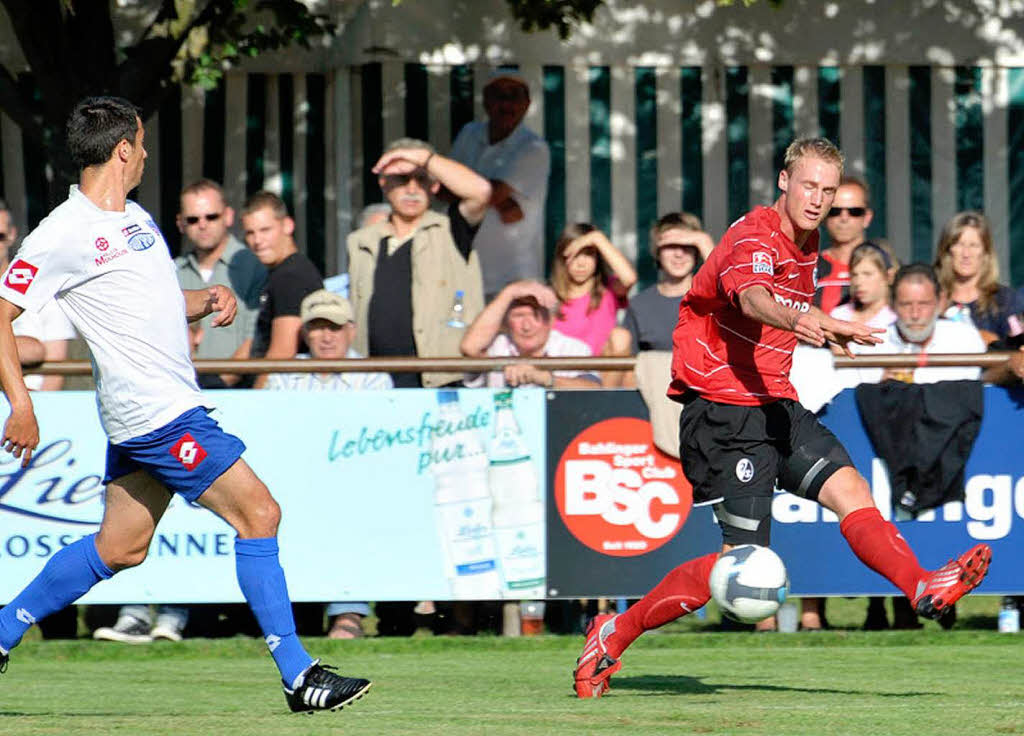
(262, 582)
(66, 577)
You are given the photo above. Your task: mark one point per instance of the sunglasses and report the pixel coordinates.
(392, 181)
(211, 217)
(853, 211)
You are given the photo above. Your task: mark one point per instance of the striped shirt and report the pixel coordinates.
(717, 351)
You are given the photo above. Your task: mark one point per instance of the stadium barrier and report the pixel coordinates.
(415, 486)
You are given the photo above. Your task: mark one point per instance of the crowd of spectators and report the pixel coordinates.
(451, 263)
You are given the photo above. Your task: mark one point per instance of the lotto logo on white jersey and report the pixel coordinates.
(20, 275)
(762, 263)
(188, 452)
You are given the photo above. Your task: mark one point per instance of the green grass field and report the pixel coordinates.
(683, 681)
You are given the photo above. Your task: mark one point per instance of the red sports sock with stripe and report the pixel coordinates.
(878, 544)
(682, 591)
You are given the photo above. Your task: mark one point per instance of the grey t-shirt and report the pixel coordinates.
(651, 318)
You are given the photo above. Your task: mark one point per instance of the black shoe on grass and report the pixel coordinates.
(324, 690)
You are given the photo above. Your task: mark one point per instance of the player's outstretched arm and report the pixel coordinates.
(756, 302)
(217, 298)
(21, 432)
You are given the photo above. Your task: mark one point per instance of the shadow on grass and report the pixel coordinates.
(683, 685)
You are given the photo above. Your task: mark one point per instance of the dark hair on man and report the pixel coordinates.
(265, 200)
(539, 310)
(916, 272)
(97, 125)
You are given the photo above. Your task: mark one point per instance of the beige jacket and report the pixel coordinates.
(438, 271)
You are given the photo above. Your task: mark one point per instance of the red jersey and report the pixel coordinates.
(717, 351)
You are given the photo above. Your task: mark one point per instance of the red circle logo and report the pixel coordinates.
(619, 494)
(102, 244)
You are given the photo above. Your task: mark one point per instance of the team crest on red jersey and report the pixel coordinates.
(188, 452)
(20, 275)
(762, 263)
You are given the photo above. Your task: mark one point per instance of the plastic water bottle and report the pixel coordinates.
(462, 504)
(455, 318)
(518, 510)
(1009, 616)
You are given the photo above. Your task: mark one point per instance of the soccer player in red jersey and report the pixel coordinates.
(742, 427)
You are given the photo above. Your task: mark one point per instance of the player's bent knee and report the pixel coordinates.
(122, 558)
(846, 491)
(261, 519)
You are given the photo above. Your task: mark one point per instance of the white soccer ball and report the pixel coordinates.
(749, 583)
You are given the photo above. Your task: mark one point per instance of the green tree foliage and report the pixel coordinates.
(72, 49)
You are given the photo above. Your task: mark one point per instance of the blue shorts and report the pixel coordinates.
(186, 455)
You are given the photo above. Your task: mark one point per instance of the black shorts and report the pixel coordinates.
(734, 456)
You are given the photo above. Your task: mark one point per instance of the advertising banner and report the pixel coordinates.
(620, 518)
(620, 510)
(390, 495)
(819, 561)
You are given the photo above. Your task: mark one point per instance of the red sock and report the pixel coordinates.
(682, 591)
(882, 548)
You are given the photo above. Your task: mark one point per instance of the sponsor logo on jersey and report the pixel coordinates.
(20, 275)
(188, 452)
(138, 239)
(762, 263)
(793, 303)
(744, 470)
(102, 244)
(105, 258)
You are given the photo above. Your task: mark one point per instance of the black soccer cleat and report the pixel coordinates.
(323, 690)
(4, 658)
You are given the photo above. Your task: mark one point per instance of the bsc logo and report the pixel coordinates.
(617, 493)
(188, 452)
(20, 275)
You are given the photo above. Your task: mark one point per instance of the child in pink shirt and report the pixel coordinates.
(591, 278)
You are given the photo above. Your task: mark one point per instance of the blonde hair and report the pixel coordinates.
(821, 148)
(988, 277)
(560, 270)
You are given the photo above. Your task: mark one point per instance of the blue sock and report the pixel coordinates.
(65, 578)
(262, 582)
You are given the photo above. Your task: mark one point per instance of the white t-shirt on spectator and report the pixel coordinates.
(113, 277)
(948, 337)
(557, 346)
(48, 324)
(333, 381)
(883, 317)
(514, 251)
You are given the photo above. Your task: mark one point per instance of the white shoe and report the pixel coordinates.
(168, 628)
(127, 630)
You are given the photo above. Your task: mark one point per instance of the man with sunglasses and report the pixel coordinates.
(406, 273)
(847, 222)
(213, 255)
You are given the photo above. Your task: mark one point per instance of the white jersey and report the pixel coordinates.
(47, 325)
(112, 275)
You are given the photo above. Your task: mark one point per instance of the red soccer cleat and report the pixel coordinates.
(592, 677)
(952, 581)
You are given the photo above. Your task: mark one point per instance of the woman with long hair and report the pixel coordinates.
(872, 266)
(968, 271)
(591, 278)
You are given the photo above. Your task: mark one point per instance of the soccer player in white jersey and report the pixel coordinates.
(103, 259)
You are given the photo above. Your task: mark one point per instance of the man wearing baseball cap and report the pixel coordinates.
(328, 327)
(516, 161)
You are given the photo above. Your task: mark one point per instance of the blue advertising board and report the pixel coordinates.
(820, 562)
